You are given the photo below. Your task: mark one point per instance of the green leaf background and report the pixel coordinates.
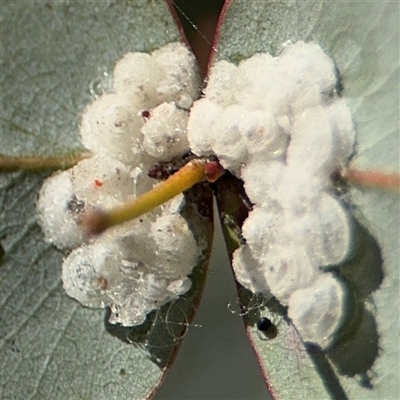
(55, 58)
(363, 39)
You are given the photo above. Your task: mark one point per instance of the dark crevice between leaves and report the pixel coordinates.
(198, 19)
(357, 345)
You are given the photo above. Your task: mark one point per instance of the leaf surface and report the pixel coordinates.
(362, 38)
(56, 57)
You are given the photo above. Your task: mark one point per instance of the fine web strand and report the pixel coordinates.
(194, 26)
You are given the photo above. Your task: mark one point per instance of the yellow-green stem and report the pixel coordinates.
(37, 163)
(97, 221)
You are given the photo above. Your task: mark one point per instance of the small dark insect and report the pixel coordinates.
(146, 114)
(267, 328)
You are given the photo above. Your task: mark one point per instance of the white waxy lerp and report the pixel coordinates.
(165, 132)
(319, 310)
(278, 124)
(88, 273)
(142, 265)
(58, 210)
(110, 125)
(137, 75)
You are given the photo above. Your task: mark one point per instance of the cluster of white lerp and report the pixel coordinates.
(278, 124)
(144, 264)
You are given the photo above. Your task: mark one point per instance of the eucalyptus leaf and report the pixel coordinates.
(363, 40)
(56, 57)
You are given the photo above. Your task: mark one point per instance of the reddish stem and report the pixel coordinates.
(377, 179)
